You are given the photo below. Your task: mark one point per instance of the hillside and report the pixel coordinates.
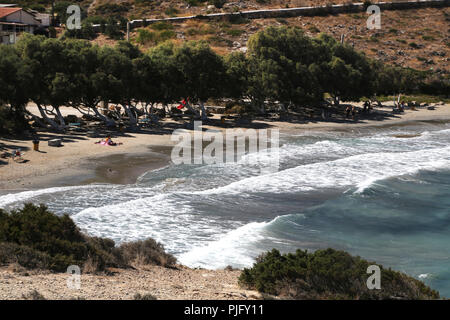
(424, 44)
(417, 38)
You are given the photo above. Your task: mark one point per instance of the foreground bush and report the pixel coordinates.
(146, 252)
(327, 274)
(33, 237)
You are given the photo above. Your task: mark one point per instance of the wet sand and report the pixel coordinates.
(127, 168)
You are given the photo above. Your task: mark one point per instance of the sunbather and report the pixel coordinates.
(107, 142)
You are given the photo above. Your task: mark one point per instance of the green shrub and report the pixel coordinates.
(327, 274)
(193, 3)
(33, 237)
(23, 255)
(111, 8)
(113, 28)
(86, 32)
(161, 26)
(218, 3)
(234, 32)
(171, 11)
(145, 36)
(313, 29)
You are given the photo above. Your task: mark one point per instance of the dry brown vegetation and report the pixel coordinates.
(410, 38)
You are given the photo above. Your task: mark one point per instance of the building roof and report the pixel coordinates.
(7, 11)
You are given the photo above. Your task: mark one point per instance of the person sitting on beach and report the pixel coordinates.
(107, 141)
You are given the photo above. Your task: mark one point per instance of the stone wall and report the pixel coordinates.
(304, 11)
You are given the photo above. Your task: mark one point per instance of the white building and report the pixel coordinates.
(14, 21)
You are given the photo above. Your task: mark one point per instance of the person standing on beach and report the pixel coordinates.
(353, 113)
(347, 112)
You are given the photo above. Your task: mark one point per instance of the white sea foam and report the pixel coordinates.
(167, 218)
(236, 248)
(345, 172)
(28, 195)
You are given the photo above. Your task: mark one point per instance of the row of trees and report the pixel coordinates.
(282, 67)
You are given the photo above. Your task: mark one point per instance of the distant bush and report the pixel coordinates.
(161, 26)
(33, 237)
(33, 295)
(146, 252)
(111, 8)
(86, 32)
(145, 36)
(313, 29)
(171, 11)
(146, 296)
(218, 3)
(327, 274)
(234, 32)
(113, 28)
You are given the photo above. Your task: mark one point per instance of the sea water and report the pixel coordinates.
(380, 193)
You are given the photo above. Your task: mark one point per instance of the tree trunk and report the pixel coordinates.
(153, 117)
(51, 122)
(188, 105)
(133, 120)
(109, 122)
(60, 118)
(336, 100)
(262, 109)
(202, 107)
(36, 118)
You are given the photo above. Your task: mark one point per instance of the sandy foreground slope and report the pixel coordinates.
(162, 283)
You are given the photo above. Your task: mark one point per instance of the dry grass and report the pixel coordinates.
(428, 28)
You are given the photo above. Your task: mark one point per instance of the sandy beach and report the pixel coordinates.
(81, 161)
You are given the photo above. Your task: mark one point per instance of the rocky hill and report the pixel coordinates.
(416, 38)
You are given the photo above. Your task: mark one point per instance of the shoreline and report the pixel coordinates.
(80, 161)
